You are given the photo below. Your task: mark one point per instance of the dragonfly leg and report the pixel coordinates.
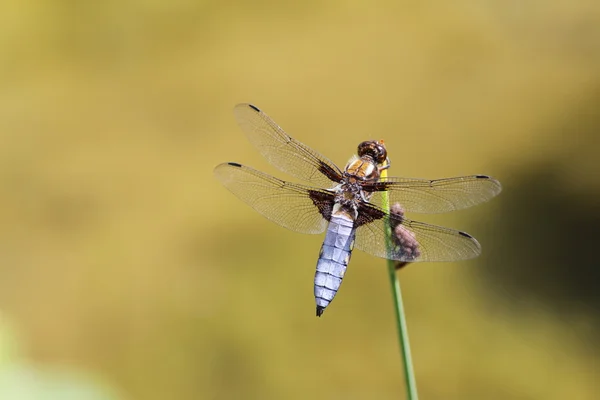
(388, 164)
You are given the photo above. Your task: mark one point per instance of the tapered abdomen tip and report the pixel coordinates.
(320, 311)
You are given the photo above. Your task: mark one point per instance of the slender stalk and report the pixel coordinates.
(409, 374)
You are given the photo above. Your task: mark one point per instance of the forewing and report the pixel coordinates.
(436, 196)
(297, 207)
(412, 240)
(283, 151)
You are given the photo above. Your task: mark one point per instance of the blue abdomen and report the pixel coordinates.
(333, 259)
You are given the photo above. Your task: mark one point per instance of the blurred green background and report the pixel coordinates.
(123, 258)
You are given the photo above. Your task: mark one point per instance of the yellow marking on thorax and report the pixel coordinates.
(359, 167)
(353, 166)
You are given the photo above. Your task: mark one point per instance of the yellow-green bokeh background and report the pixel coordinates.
(123, 256)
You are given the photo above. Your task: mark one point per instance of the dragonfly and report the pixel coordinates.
(348, 204)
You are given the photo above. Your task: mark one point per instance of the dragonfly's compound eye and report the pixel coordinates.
(381, 153)
(374, 149)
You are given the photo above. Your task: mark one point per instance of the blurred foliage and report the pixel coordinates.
(22, 380)
(122, 255)
(548, 224)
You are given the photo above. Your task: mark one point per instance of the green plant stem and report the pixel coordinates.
(409, 374)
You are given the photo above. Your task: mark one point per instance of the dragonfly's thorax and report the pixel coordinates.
(349, 194)
(360, 170)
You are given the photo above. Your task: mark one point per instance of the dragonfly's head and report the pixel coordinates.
(374, 149)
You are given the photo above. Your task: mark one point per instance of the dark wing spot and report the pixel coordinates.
(482, 177)
(234, 164)
(465, 234)
(323, 201)
(254, 108)
(375, 186)
(329, 172)
(367, 213)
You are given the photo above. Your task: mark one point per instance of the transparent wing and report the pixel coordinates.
(297, 207)
(284, 152)
(436, 196)
(412, 240)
